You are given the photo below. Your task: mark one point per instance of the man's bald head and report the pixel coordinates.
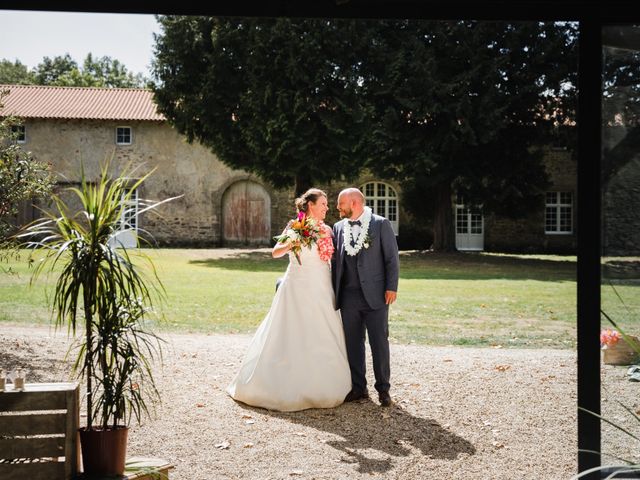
(350, 203)
(353, 194)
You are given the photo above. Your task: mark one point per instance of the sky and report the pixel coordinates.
(29, 36)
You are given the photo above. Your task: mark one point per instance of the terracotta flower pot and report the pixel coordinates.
(104, 451)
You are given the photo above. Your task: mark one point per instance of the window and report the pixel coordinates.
(383, 200)
(20, 133)
(468, 221)
(558, 217)
(123, 136)
(129, 219)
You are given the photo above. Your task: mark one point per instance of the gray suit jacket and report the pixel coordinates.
(378, 265)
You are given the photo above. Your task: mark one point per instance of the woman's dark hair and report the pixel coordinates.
(311, 195)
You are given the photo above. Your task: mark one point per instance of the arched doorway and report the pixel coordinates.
(246, 215)
(383, 201)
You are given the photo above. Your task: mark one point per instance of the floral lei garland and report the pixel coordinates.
(363, 238)
(325, 243)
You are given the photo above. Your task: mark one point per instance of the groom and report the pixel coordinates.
(365, 279)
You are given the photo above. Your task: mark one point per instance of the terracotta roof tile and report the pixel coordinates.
(37, 101)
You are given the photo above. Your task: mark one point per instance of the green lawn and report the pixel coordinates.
(444, 299)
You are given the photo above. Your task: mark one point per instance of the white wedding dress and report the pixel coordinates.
(297, 358)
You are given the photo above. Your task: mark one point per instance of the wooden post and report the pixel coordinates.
(72, 440)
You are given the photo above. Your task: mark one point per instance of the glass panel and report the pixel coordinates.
(566, 198)
(392, 206)
(368, 190)
(19, 132)
(476, 223)
(382, 190)
(123, 135)
(380, 210)
(551, 219)
(462, 220)
(620, 291)
(565, 219)
(130, 213)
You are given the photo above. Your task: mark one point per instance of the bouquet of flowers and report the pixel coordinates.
(608, 338)
(301, 231)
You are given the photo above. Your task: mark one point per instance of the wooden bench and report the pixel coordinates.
(39, 432)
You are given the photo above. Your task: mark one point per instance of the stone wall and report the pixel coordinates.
(621, 212)
(621, 199)
(527, 234)
(181, 169)
(196, 175)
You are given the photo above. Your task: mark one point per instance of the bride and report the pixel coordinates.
(297, 358)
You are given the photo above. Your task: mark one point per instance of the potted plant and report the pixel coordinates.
(101, 287)
(618, 349)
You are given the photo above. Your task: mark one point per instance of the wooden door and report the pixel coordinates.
(246, 215)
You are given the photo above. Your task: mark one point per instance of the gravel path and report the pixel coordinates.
(459, 413)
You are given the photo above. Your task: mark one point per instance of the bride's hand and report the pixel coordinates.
(293, 244)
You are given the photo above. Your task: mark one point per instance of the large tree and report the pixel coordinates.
(463, 108)
(277, 97)
(442, 107)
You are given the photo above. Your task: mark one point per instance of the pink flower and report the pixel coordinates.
(609, 338)
(325, 244)
(301, 216)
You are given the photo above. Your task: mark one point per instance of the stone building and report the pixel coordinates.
(621, 191)
(220, 206)
(549, 229)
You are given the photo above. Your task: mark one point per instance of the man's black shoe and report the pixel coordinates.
(353, 395)
(385, 399)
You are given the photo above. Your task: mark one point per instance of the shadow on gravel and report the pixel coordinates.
(371, 437)
(38, 368)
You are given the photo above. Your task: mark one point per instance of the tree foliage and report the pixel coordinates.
(463, 108)
(15, 73)
(441, 107)
(95, 72)
(620, 99)
(276, 97)
(22, 177)
(63, 70)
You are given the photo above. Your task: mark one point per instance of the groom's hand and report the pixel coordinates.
(390, 297)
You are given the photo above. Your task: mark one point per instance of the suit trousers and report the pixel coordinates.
(358, 317)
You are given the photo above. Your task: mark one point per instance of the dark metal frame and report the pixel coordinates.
(591, 15)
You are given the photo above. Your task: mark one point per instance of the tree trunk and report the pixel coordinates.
(303, 183)
(443, 231)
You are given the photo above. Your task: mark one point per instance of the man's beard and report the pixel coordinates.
(346, 213)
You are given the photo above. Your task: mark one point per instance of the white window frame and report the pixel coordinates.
(21, 132)
(129, 219)
(471, 222)
(118, 135)
(387, 200)
(557, 205)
